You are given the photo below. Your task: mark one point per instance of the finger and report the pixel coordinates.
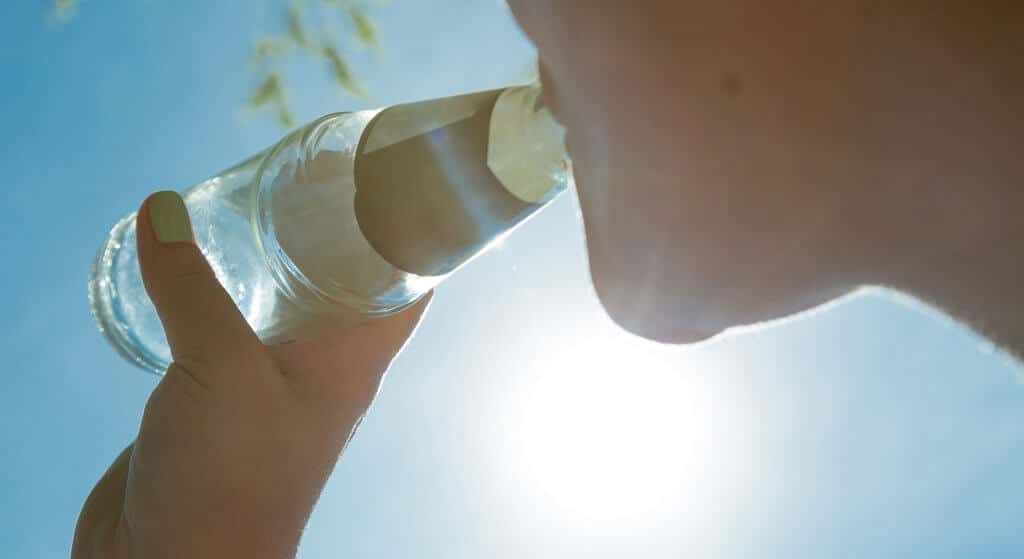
(204, 328)
(343, 366)
(101, 514)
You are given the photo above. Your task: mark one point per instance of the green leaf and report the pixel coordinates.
(341, 72)
(64, 10)
(284, 115)
(269, 90)
(268, 47)
(366, 32)
(296, 29)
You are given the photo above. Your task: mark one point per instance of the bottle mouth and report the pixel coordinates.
(105, 305)
(522, 129)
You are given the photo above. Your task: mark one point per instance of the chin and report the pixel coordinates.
(661, 329)
(645, 316)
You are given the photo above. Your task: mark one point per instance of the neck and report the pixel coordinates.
(964, 252)
(950, 220)
(981, 283)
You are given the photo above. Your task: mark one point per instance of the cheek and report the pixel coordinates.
(704, 190)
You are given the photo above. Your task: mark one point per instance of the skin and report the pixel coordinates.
(736, 162)
(238, 438)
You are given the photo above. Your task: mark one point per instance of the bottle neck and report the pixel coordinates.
(439, 180)
(374, 207)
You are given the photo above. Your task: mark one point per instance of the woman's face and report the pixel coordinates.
(712, 145)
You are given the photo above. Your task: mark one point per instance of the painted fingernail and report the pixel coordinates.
(169, 218)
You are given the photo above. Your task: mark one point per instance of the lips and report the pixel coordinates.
(548, 93)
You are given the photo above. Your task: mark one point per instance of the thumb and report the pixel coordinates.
(204, 328)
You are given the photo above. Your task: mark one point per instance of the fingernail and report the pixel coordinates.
(169, 218)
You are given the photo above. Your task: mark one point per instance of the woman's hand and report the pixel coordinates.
(238, 438)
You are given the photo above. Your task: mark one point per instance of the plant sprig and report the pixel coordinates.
(64, 10)
(309, 32)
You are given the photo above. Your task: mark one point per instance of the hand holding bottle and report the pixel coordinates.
(239, 437)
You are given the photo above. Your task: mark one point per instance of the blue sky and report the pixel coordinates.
(520, 422)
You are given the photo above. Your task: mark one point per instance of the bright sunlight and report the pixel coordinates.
(616, 434)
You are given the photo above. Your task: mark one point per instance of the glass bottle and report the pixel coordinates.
(353, 216)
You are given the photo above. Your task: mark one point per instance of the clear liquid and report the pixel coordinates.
(220, 209)
(316, 230)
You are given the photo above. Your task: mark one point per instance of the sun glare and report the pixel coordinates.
(615, 435)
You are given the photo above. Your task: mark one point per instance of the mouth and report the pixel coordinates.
(547, 89)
